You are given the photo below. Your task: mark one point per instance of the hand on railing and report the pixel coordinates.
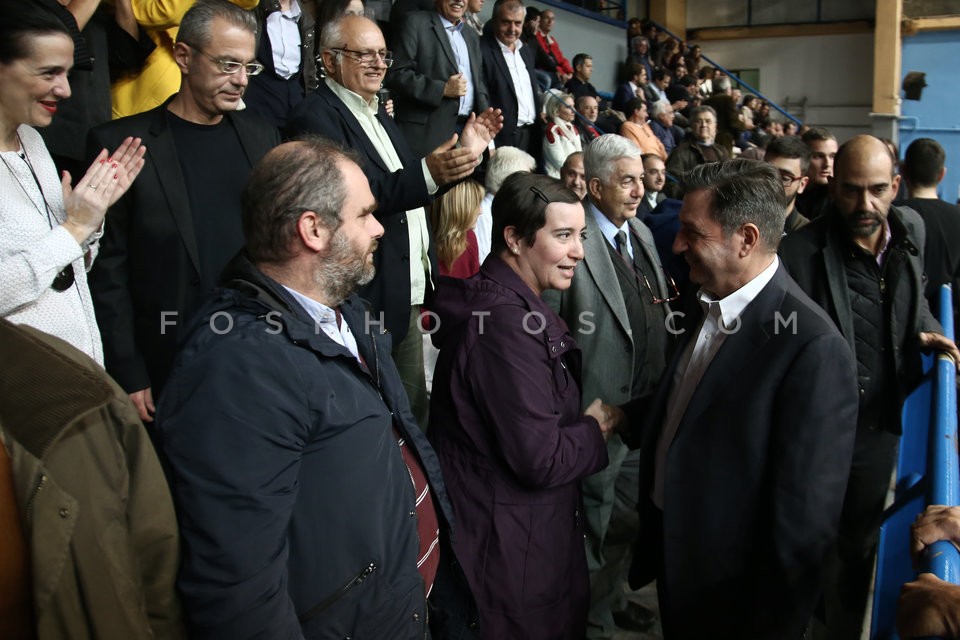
(929, 607)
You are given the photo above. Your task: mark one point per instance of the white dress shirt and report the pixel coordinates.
(326, 319)
(526, 105)
(462, 56)
(608, 229)
(721, 318)
(284, 34)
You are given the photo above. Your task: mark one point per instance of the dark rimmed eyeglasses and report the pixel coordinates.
(230, 67)
(788, 178)
(367, 58)
(64, 279)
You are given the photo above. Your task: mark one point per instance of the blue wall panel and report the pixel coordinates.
(937, 115)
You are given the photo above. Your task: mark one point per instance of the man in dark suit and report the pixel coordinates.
(509, 74)
(168, 238)
(862, 261)
(654, 178)
(345, 109)
(437, 79)
(616, 309)
(748, 442)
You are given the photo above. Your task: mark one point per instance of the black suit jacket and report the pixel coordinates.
(503, 95)
(149, 259)
(755, 475)
(423, 62)
(323, 112)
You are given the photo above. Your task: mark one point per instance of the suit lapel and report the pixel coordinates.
(649, 248)
(596, 257)
(839, 292)
(370, 152)
(441, 34)
(501, 65)
(163, 155)
(739, 350)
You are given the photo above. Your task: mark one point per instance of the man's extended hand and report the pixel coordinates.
(480, 130)
(447, 163)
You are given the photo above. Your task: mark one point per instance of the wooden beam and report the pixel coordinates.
(913, 26)
(887, 51)
(670, 13)
(781, 31)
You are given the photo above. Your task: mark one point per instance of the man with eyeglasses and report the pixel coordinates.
(746, 447)
(345, 108)
(616, 308)
(437, 79)
(166, 241)
(791, 158)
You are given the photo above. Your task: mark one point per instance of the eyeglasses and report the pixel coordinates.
(788, 178)
(64, 280)
(674, 290)
(368, 58)
(230, 67)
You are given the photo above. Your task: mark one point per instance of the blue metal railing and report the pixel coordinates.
(714, 63)
(927, 473)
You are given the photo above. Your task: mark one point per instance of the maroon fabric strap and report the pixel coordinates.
(16, 621)
(428, 527)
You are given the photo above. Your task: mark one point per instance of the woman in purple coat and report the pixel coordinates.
(507, 423)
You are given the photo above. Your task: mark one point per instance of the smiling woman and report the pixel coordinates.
(48, 229)
(507, 422)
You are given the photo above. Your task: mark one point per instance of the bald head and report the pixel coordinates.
(863, 187)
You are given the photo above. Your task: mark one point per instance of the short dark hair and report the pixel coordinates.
(296, 177)
(634, 104)
(507, 6)
(817, 133)
(790, 147)
(522, 203)
(22, 21)
(743, 191)
(660, 74)
(923, 162)
(195, 26)
(580, 58)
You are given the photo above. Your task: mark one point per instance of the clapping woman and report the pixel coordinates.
(48, 228)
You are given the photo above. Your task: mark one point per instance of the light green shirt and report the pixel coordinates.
(418, 233)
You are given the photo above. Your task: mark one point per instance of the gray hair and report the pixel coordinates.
(298, 176)
(600, 155)
(505, 162)
(555, 102)
(331, 37)
(744, 191)
(659, 108)
(508, 6)
(696, 111)
(195, 27)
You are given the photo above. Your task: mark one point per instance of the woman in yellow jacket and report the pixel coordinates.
(159, 78)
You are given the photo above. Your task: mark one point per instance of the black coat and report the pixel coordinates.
(323, 112)
(149, 260)
(293, 497)
(941, 253)
(755, 475)
(503, 95)
(814, 257)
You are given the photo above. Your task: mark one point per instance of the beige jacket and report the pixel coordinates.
(96, 510)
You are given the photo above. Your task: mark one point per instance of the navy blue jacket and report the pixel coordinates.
(295, 504)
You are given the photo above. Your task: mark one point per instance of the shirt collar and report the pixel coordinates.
(607, 228)
(517, 46)
(887, 237)
(732, 306)
(354, 101)
(449, 26)
(321, 313)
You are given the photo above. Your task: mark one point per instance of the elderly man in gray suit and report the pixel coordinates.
(617, 308)
(437, 75)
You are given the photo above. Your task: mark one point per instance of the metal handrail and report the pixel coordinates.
(714, 63)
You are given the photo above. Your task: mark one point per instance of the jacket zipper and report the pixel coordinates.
(327, 602)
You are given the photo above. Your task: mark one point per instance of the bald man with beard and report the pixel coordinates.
(863, 263)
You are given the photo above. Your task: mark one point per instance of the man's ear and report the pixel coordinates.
(593, 188)
(181, 55)
(804, 181)
(313, 233)
(750, 234)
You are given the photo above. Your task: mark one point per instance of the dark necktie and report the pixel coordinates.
(622, 247)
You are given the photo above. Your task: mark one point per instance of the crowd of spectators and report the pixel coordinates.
(352, 187)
